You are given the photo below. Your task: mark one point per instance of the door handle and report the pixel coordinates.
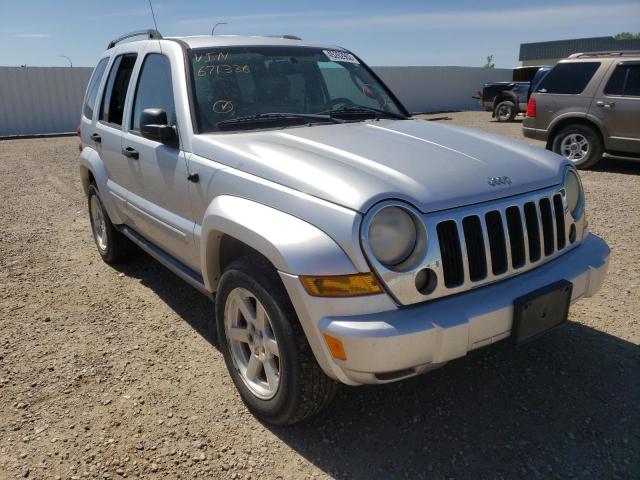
(130, 153)
(96, 138)
(193, 177)
(602, 104)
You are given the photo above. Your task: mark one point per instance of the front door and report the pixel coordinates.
(618, 107)
(159, 204)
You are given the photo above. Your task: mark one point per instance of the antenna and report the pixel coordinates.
(153, 15)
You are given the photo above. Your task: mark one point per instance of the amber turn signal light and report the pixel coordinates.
(335, 347)
(341, 285)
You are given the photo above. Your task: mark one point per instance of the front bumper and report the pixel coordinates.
(383, 346)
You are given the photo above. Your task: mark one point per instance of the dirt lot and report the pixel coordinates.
(107, 373)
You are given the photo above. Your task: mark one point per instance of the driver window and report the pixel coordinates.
(154, 89)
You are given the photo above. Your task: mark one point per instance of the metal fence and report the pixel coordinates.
(47, 100)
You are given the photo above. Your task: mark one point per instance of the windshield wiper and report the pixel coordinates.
(260, 118)
(360, 109)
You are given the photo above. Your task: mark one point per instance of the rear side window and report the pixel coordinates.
(625, 81)
(632, 85)
(115, 92)
(92, 90)
(154, 89)
(568, 78)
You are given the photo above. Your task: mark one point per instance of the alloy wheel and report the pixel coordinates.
(504, 112)
(575, 147)
(252, 343)
(98, 223)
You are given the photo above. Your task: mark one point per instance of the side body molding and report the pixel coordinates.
(90, 162)
(292, 245)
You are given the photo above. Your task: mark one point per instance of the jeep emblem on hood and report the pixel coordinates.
(496, 181)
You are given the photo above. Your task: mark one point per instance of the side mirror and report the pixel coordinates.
(154, 126)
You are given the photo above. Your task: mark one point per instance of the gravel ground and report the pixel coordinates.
(108, 373)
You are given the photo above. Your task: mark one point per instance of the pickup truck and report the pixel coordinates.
(506, 99)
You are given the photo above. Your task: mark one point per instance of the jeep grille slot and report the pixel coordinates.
(533, 231)
(475, 247)
(548, 228)
(451, 253)
(559, 211)
(497, 244)
(516, 237)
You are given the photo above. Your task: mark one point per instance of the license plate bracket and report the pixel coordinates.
(540, 311)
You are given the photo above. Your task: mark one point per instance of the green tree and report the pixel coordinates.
(627, 36)
(490, 63)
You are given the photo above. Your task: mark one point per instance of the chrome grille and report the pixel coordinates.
(475, 245)
(501, 240)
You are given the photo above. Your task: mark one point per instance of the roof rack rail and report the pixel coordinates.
(286, 37)
(151, 34)
(615, 53)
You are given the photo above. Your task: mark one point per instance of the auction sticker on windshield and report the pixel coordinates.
(340, 56)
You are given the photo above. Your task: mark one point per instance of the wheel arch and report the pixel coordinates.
(86, 178)
(93, 170)
(566, 121)
(234, 226)
(502, 96)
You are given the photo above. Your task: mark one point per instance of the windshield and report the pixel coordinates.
(238, 82)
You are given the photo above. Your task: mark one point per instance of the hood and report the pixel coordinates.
(355, 165)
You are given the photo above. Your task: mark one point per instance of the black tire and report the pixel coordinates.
(594, 144)
(117, 247)
(304, 389)
(505, 111)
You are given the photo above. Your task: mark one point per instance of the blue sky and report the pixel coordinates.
(409, 32)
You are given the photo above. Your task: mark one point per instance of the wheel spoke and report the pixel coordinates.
(253, 368)
(239, 334)
(245, 308)
(271, 346)
(271, 373)
(261, 317)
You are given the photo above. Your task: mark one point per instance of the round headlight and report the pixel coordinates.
(392, 235)
(575, 195)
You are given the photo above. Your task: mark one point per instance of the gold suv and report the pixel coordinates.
(588, 106)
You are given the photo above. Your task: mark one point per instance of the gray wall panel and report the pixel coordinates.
(439, 89)
(48, 100)
(41, 100)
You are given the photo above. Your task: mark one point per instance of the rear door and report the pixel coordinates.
(89, 106)
(108, 128)
(159, 203)
(617, 105)
(567, 89)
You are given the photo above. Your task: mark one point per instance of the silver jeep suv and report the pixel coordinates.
(341, 240)
(589, 105)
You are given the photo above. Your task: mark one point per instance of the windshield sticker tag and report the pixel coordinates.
(340, 56)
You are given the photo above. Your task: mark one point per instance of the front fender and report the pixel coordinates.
(292, 245)
(91, 165)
